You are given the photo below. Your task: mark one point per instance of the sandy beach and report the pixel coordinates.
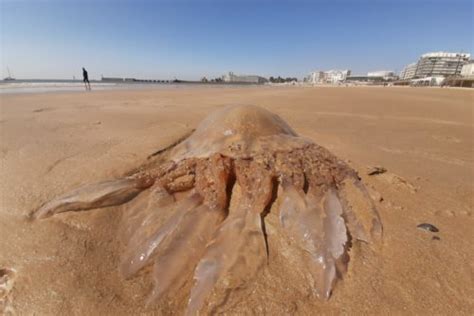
(53, 142)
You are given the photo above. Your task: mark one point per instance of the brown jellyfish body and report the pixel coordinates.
(183, 215)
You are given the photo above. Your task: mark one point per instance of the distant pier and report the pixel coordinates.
(133, 80)
(175, 81)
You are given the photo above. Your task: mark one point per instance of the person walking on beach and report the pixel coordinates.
(85, 75)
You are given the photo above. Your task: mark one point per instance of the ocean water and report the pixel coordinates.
(45, 86)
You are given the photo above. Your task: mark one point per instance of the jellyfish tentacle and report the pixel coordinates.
(359, 211)
(178, 260)
(238, 249)
(321, 219)
(92, 196)
(146, 242)
(236, 254)
(146, 210)
(362, 217)
(176, 263)
(314, 222)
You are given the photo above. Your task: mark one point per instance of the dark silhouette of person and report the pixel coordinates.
(85, 75)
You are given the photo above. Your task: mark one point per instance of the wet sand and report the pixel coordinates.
(51, 143)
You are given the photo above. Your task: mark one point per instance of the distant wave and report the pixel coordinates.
(43, 86)
(40, 86)
(25, 84)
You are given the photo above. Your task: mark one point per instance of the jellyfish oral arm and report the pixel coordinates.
(91, 196)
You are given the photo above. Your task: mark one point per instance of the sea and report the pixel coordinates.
(20, 86)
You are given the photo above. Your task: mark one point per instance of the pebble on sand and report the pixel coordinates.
(375, 170)
(428, 227)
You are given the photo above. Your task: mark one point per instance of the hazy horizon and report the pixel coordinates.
(189, 40)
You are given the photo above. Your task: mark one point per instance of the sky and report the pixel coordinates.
(191, 39)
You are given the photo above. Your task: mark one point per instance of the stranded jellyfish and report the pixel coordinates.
(196, 211)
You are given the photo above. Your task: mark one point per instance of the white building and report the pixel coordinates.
(385, 74)
(435, 64)
(428, 81)
(441, 64)
(408, 72)
(232, 78)
(467, 70)
(329, 77)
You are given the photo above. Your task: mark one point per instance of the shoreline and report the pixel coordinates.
(51, 87)
(38, 88)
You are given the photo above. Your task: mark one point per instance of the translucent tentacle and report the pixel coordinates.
(175, 265)
(315, 223)
(187, 244)
(150, 236)
(102, 194)
(234, 257)
(238, 250)
(363, 220)
(150, 209)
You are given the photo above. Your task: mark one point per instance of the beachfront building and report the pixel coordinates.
(328, 77)
(385, 74)
(435, 64)
(433, 68)
(467, 70)
(441, 64)
(251, 79)
(408, 72)
(428, 81)
(465, 79)
(365, 80)
(314, 77)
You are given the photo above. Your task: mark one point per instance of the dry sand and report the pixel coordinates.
(50, 143)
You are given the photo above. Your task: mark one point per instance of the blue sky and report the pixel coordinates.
(191, 39)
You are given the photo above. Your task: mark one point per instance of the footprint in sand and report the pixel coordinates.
(46, 109)
(448, 139)
(453, 213)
